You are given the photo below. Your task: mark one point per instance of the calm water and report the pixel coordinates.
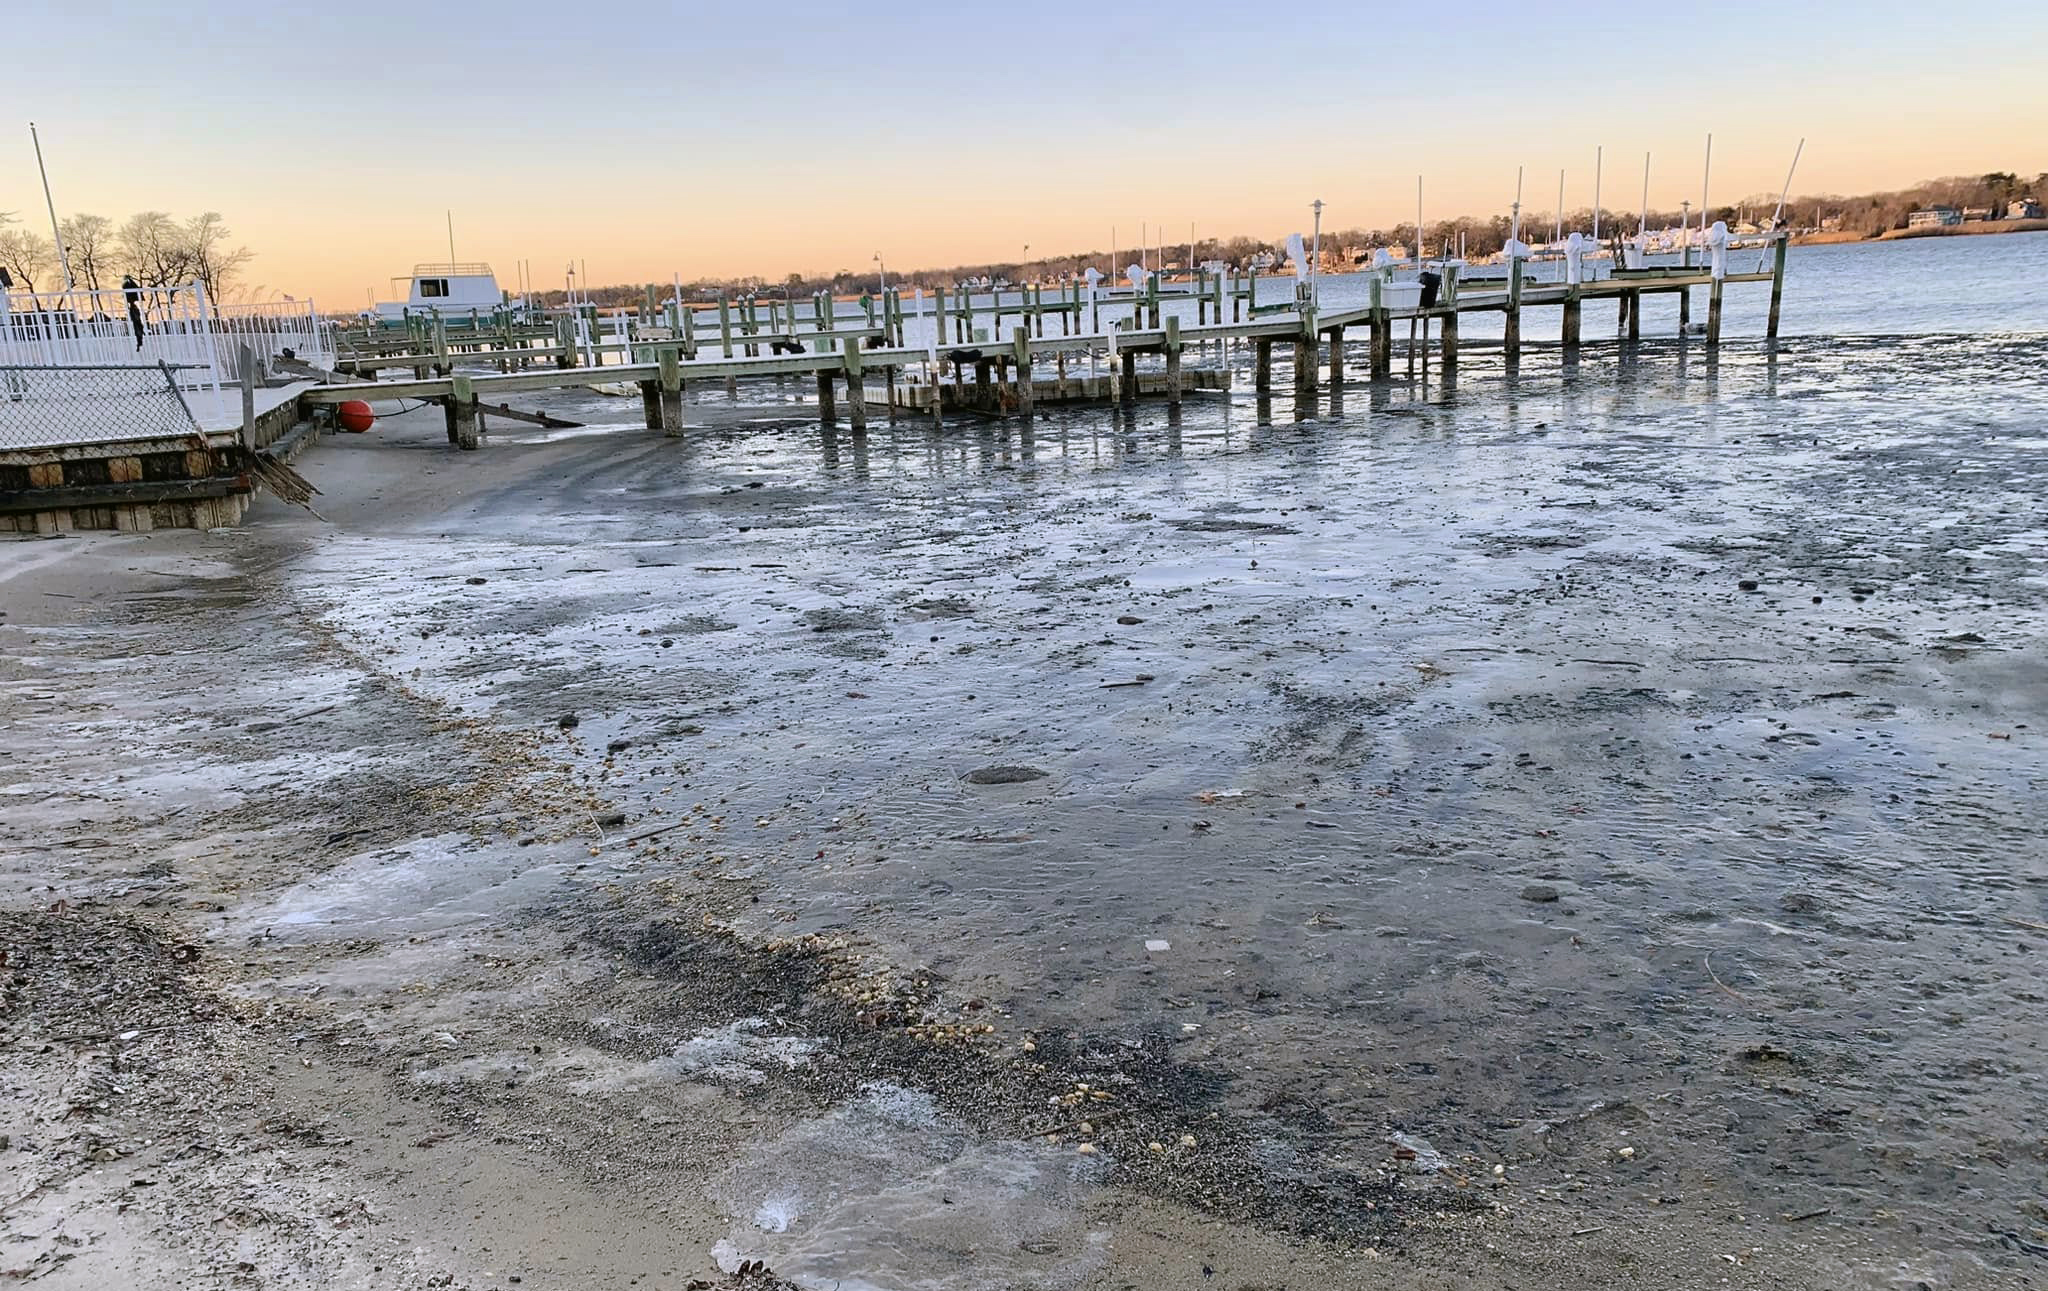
(1644, 751)
(1969, 284)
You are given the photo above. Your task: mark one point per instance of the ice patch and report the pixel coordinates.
(889, 1192)
(736, 1051)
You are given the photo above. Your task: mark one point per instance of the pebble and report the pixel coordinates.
(1539, 893)
(1005, 775)
(1129, 620)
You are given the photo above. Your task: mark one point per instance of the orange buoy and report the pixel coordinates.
(355, 416)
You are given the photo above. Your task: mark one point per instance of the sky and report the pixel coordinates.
(762, 138)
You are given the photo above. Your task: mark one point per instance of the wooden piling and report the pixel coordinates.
(1173, 362)
(1336, 358)
(725, 323)
(1262, 364)
(1382, 362)
(565, 342)
(650, 403)
(1570, 332)
(1511, 336)
(1635, 314)
(1777, 283)
(462, 399)
(856, 386)
(671, 383)
(1020, 341)
(826, 414)
(1684, 309)
(1714, 312)
(1129, 391)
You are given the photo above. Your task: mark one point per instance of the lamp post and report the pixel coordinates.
(881, 275)
(1685, 232)
(1315, 255)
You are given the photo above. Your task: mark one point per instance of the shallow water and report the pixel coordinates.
(1453, 779)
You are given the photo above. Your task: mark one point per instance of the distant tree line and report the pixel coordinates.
(156, 249)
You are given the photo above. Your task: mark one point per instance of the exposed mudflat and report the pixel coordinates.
(1561, 827)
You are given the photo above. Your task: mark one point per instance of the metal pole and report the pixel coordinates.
(1557, 229)
(1596, 194)
(1515, 231)
(1704, 176)
(1418, 224)
(63, 256)
(451, 238)
(1644, 227)
(1315, 256)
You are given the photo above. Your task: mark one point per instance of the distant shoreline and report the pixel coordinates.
(1939, 231)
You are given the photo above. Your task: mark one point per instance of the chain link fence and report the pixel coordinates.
(62, 405)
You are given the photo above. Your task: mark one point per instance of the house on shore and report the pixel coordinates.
(1934, 217)
(2023, 208)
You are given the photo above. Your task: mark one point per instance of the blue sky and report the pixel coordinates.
(768, 137)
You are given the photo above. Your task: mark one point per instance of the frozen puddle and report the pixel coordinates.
(888, 1194)
(427, 885)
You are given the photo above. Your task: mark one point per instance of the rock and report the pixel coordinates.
(1748, 584)
(618, 746)
(1005, 775)
(611, 820)
(568, 721)
(1799, 903)
(1129, 620)
(476, 582)
(1540, 893)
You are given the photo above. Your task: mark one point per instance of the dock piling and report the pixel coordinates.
(1262, 364)
(1173, 362)
(671, 383)
(1511, 337)
(1021, 341)
(1714, 313)
(856, 387)
(1570, 331)
(1777, 284)
(462, 412)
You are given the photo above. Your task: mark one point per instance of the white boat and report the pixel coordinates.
(447, 289)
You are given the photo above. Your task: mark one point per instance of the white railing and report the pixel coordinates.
(271, 329)
(81, 328)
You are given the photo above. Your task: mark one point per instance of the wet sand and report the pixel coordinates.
(1448, 826)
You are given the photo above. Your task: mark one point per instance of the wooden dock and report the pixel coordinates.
(667, 348)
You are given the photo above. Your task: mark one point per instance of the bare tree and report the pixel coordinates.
(153, 248)
(214, 262)
(90, 240)
(25, 254)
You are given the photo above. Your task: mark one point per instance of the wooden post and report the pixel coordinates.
(650, 403)
(462, 396)
(1060, 365)
(248, 366)
(1511, 338)
(1336, 358)
(856, 386)
(982, 396)
(1684, 309)
(1173, 362)
(1382, 331)
(1130, 376)
(671, 390)
(441, 363)
(1777, 283)
(1450, 322)
(725, 323)
(1305, 366)
(826, 413)
(565, 341)
(1262, 364)
(1115, 368)
(1714, 313)
(1635, 314)
(1570, 331)
(1020, 341)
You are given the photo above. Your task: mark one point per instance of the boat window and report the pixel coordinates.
(433, 287)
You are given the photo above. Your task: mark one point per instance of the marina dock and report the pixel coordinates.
(992, 357)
